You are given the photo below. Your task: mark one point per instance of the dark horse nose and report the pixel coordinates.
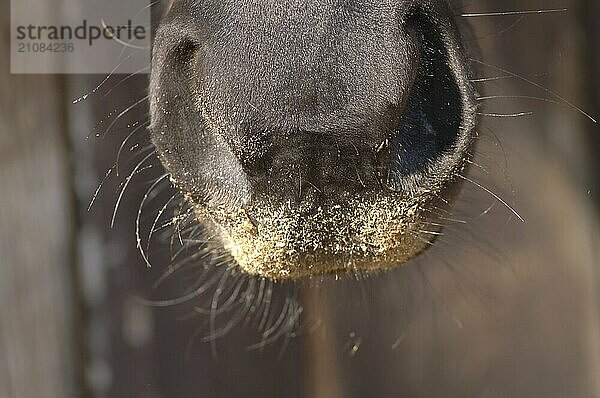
(256, 97)
(316, 167)
(312, 136)
(307, 96)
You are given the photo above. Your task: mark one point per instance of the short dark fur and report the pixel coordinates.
(295, 101)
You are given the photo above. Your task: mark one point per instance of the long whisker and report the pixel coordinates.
(97, 192)
(537, 85)
(123, 113)
(119, 152)
(125, 185)
(490, 79)
(139, 216)
(508, 13)
(158, 216)
(126, 78)
(506, 115)
(524, 97)
(509, 207)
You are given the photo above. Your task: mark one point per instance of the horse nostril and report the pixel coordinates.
(435, 132)
(316, 146)
(313, 168)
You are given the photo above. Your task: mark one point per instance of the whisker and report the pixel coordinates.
(174, 267)
(213, 308)
(506, 115)
(431, 232)
(507, 13)
(139, 216)
(97, 192)
(106, 78)
(119, 152)
(185, 298)
(125, 79)
(125, 185)
(537, 85)
(500, 32)
(490, 79)
(123, 113)
(494, 195)
(158, 216)
(121, 42)
(525, 97)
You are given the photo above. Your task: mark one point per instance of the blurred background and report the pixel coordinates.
(498, 308)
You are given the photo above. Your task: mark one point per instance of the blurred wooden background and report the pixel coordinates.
(500, 309)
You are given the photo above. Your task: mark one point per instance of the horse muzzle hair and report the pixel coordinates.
(313, 137)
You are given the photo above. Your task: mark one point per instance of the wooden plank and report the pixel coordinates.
(36, 341)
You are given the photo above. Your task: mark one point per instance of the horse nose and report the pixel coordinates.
(312, 165)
